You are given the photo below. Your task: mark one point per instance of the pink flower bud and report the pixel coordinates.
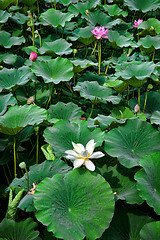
(33, 56)
(136, 108)
(136, 23)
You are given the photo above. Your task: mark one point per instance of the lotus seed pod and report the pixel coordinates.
(22, 165)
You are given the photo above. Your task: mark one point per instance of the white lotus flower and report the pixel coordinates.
(81, 155)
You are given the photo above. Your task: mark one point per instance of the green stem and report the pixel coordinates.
(37, 148)
(91, 109)
(14, 153)
(74, 80)
(99, 56)
(37, 7)
(5, 175)
(86, 52)
(133, 93)
(50, 96)
(27, 179)
(51, 4)
(69, 87)
(107, 69)
(128, 95)
(55, 4)
(145, 101)
(139, 101)
(153, 55)
(95, 45)
(32, 26)
(9, 171)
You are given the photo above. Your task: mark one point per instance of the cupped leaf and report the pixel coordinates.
(26, 204)
(152, 25)
(19, 230)
(16, 118)
(20, 18)
(64, 133)
(93, 91)
(4, 15)
(150, 231)
(121, 112)
(47, 151)
(5, 3)
(150, 43)
(55, 18)
(58, 47)
(79, 65)
(12, 77)
(155, 118)
(114, 10)
(6, 100)
(148, 180)
(39, 172)
(77, 205)
(54, 71)
(83, 35)
(67, 111)
(119, 40)
(8, 58)
(129, 143)
(7, 41)
(145, 6)
(28, 2)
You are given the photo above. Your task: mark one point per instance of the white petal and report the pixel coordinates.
(71, 157)
(90, 146)
(72, 153)
(97, 155)
(89, 165)
(78, 147)
(84, 154)
(78, 162)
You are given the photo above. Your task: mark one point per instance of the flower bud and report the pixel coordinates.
(22, 165)
(74, 51)
(33, 56)
(136, 108)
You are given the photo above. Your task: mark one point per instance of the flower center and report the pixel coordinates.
(86, 158)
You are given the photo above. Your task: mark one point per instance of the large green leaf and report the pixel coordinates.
(152, 25)
(150, 231)
(55, 18)
(7, 41)
(148, 180)
(6, 100)
(28, 2)
(4, 15)
(12, 77)
(55, 70)
(16, 118)
(155, 118)
(5, 3)
(39, 172)
(83, 35)
(58, 47)
(74, 206)
(67, 111)
(114, 10)
(8, 58)
(129, 143)
(79, 65)
(150, 43)
(145, 6)
(64, 133)
(93, 91)
(118, 40)
(19, 230)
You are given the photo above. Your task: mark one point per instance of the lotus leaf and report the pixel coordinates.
(6, 100)
(7, 41)
(3, 143)
(152, 25)
(64, 133)
(12, 77)
(55, 18)
(28, 2)
(5, 3)
(26, 204)
(4, 15)
(58, 47)
(92, 91)
(150, 43)
(8, 58)
(79, 65)
(148, 180)
(67, 111)
(19, 230)
(155, 118)
(114, 10)
(20, 18)
(129, 143)
(122, 113)
(119, 40)
(80, 200)
(145, 6)
(47, 151)
(55, 70)
(150, 231)
(83, 35)
(16, 118)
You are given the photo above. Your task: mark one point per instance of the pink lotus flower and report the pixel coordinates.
(136, 108)
(136, 23)
(33, 56)
(100, 33)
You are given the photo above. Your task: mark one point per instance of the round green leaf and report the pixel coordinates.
(39, 172)
(114, 10)
(26, 203)
(83, 35)
(19, 230)
(16, 118)
(150, 231)
(150, 43)
(4, 15)
(129, 143)
(28, 2)
(79, 65)
(155, 118)
(55, 70)
(145, 6)
(64, 133)
(121, 112)
(8, 58)
(12, 77)
(58, 47)
(78, 205)
(93, 91)
(20, 18)
(5, 3)
(6, 100)
(148, 180)
(7, 41)
(151, 23)
(67, 111)
(55, 18)
(118, 40)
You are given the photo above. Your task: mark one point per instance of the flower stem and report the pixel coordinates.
(128, 95)
(37, 148)
(145, 101)
(50, 96)
(139, 101)
(27, 179)
(14, 154)
(99, 56)
(5, 175)
(95, 45)
(55, 4)
(91, 109)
